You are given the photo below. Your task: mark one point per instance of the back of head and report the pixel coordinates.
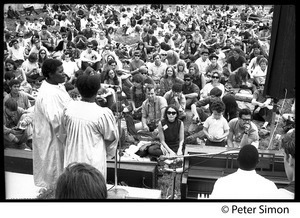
(248, 157)
(288, 143)
(177, 87)
(215, 92)
(88, 86)
(81, 181)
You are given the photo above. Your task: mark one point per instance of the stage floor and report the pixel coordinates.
(20, 186)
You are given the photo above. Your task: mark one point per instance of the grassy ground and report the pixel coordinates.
(165, 181)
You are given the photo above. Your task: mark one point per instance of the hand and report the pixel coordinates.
(247, 127)
(155, 131)
(210, 137)
(196, 118)
(146, 128)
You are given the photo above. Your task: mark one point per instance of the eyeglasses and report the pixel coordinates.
(246, 119)
(215, 77)
(136, 55)
(171, 112)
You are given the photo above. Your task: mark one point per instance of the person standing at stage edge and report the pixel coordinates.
(91, 130)
(48, 142)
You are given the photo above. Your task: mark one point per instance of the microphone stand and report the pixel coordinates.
(117, 192)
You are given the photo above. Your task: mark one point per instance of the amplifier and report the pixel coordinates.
(133, 173)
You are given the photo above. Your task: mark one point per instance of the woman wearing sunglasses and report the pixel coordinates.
(215, 82)
(171, 135)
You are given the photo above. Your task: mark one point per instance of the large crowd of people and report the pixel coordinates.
(69, 74)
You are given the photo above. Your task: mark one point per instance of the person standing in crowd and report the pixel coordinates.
(242, 130)
(245, 183)
(91, 131)
(48, 141)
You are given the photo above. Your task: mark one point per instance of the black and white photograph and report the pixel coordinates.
(157, 102)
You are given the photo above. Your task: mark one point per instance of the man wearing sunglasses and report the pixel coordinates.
(242, 130)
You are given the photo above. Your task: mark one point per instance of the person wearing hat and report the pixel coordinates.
(16, 52)
(90, 58)
(214, 65)
(203, 62)
(245, 183)
(136, 62)
(190, 91)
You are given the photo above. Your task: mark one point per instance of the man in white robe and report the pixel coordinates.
(47, 141)
(92, 131)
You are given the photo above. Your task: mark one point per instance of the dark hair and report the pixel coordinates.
(33, 57)
(231, 107)
(111, 61)
(9, 75)
(248, 157)
(218, 106)
(244, 111)
(150, 31)
(242, 75)
(175, 108)
(149, 87)
(14, 82)
(288, 143)
(177, 87)
(88, 86)
(215, 92)
(9, 60)
(50, 66)
(81, 181)
(138, 78)
(174, 72)
(107, 77)
(11, 104)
